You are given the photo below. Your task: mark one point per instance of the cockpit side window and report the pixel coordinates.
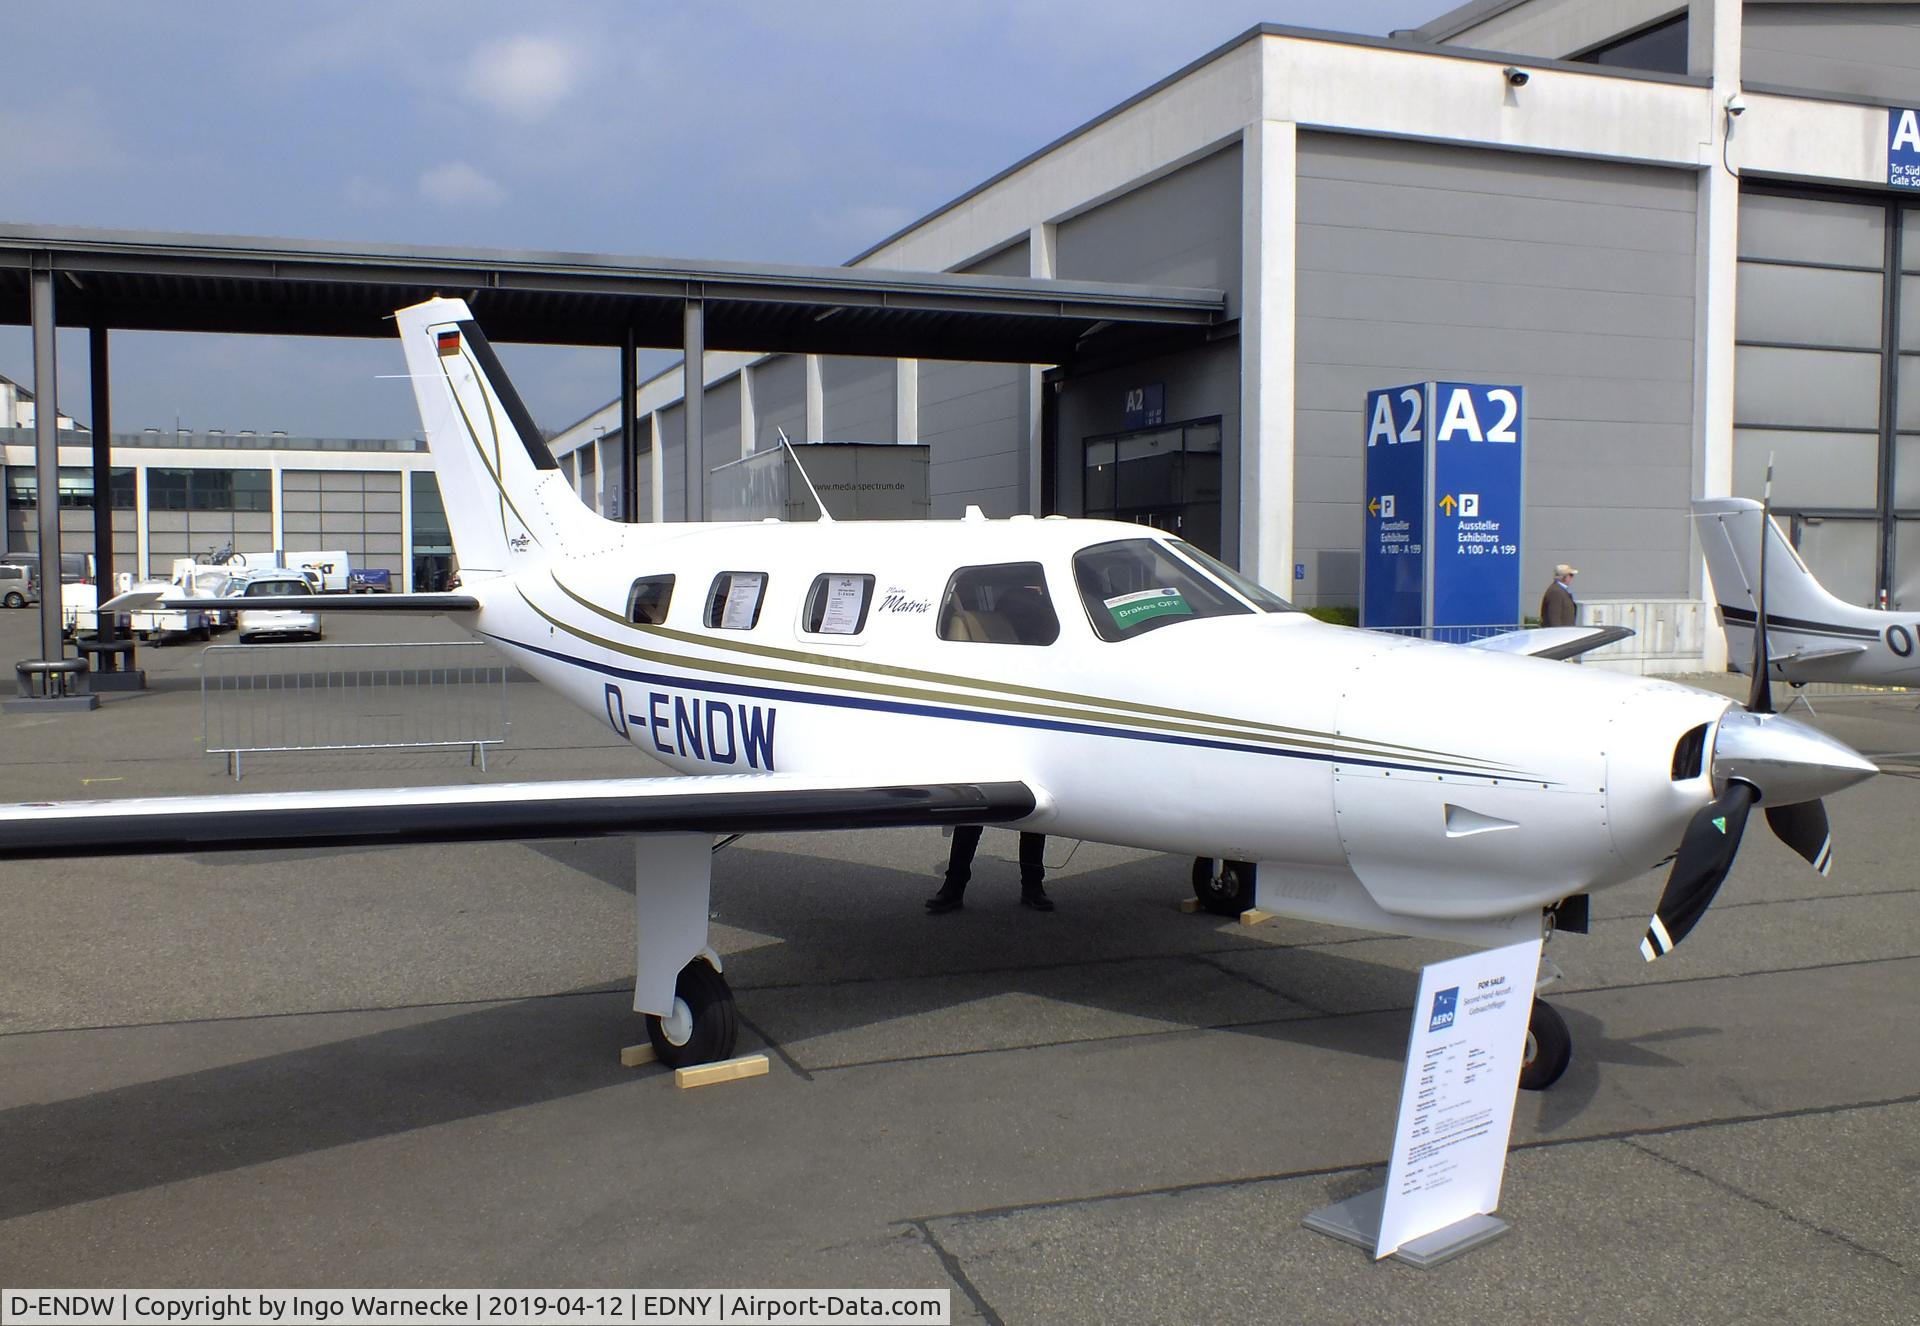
(1007, 604)
(1132, 586)
(733, 604)
(648, 600)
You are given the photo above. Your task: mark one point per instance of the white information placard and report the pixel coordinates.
(1456, 1104)
(846, 597)
(743, 600)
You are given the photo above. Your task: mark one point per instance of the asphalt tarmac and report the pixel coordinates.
(400, 1067)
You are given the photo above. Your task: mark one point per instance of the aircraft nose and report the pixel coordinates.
(1788, 761)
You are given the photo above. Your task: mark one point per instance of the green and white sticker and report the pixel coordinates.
(1131, 609)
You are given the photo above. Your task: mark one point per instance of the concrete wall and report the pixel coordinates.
(859, 399)
(357, 512)
(1181, 229)
(973, 418)
(673, 455)
(1574, 279)
(1870, 51)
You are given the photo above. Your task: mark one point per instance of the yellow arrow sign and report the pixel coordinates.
(1447, 504)
(1374, 506)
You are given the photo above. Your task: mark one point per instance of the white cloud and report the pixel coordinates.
(524, 77)
(457, 184)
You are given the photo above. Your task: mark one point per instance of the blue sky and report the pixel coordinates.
(747, 131)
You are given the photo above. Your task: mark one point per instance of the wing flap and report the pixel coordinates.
(499, 812)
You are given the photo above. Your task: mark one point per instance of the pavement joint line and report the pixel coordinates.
(1736, 1191)
(1328, 1171)
(798, 1069)
(1737, 905)
(1204, 960)
(959, 1276)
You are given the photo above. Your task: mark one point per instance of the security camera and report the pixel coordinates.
(1516, 77)
(1736, 106)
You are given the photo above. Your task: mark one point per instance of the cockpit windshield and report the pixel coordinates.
(1132, 586)
(1259, 595)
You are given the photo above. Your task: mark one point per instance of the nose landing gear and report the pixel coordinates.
(1549, 1048)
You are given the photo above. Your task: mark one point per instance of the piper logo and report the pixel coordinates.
(1444, 1002)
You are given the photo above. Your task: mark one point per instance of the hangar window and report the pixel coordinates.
(1006, 604)
(1132, 586)
(734, 602)
(648, 600)
(837, 605)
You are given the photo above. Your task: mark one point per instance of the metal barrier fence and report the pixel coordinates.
(256, 699)
(1448, 635)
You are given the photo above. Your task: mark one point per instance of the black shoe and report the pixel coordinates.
(947, 900)
(1036, 898)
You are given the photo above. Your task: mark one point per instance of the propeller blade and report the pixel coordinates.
(1706, 854)
(1803, 827)
(1760, 694)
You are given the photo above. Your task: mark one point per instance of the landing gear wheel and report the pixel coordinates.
(703, 1024)
(1549, 1048)
(1224, 888)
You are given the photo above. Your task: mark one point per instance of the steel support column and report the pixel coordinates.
(46, 460)
(629, 430)
(102, 421)
(694, 397)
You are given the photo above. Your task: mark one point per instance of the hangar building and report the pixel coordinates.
(1683, 227)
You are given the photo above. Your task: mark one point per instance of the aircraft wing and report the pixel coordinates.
(139, 600)
(1554, 641)
(716, 803)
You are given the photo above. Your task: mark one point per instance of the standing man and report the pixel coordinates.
(1557, 607)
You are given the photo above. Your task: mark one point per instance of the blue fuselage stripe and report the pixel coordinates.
(962, 715)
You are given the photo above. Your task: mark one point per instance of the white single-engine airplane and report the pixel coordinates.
(1811, 635)
(1083, 678)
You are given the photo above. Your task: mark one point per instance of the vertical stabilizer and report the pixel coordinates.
(507, 502)
(1730, 534)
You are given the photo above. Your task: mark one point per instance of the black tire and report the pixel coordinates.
(1549, 1048)
(714, 1024)
(1224, 888)
(15, 599)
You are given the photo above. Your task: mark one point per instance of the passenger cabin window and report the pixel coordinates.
(837, 605)
(999, 605)
(648, 600)
(1133, 586)
(1252, 590)
(734, 602)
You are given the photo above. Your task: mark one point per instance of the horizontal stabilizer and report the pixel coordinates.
(589, 808)
(1558, 642)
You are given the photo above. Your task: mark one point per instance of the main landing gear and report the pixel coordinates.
(702, 1025)
(1224, 888)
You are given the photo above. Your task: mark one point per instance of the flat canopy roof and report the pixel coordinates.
(218, 283)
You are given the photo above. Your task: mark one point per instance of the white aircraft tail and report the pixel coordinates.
(508, 504)
(1730, 532)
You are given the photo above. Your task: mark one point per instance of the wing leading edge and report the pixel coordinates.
(510, 811)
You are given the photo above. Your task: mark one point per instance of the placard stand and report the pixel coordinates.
(1357, 1221)
(1464, 1051)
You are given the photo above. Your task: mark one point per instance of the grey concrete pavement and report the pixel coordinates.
(399, 1067)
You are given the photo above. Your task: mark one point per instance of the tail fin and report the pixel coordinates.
(1730, 533)
(507, 502)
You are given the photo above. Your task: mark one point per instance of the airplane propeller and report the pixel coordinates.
(1757, 755)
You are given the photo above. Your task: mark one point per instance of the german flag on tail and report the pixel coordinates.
(449, 341)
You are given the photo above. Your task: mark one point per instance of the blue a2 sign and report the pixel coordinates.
(1394, 551)
(1478, 476)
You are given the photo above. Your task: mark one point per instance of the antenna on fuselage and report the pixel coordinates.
(825, 515)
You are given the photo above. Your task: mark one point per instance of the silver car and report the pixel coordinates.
(256, 624)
